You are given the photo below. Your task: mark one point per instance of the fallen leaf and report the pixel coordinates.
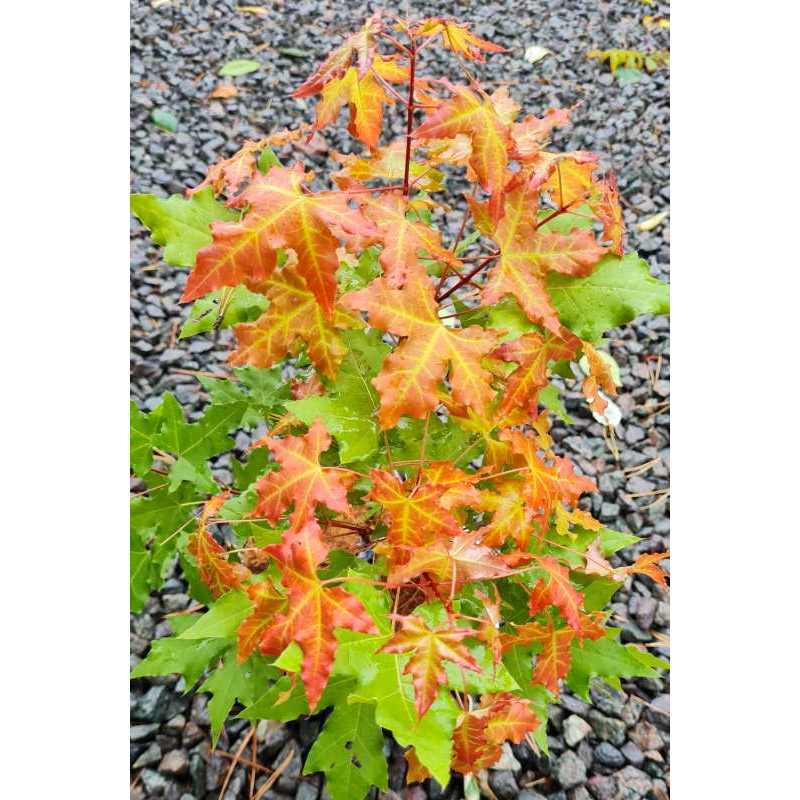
(239, 67)
(293, 52)
(535, 52)
(165, 120)
(258, 10)
(223, 92)
(652, 222)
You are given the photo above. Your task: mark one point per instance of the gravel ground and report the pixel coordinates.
(617, 748)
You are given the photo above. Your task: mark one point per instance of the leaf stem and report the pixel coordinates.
(465, 278)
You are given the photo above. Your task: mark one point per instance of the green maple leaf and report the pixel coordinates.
(225, 685)
(349, 409)
(195, 442)
(609, 660)
(222, 619)
(182, 226)
(173, 655)
(381, 682)
(616, 292)
(143, 426)
(241, 305)
(286, 699)
(349, 750)
(160, 524)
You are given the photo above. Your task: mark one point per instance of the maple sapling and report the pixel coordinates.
(403, 545)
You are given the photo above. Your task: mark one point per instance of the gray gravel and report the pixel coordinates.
(176, 51)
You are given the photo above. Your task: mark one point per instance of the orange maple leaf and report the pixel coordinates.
(364, 95)
(456, 37)
(412, 372)
(402, 237)
(301, 480)
(533, 353)
(386, 163)
(294, 317)
(530, 135)
(545, 484)
(313, 611)
(216, 572)
(465, 113)
(479, 734)
(647, 564)
(267, 603)
(429, 648)
(417, 771)
(281, 215)
(228, 174)
(360, 46)
(417, 517)
(455, 562)
(599, 377)
(527, 255)
(556, 590)
(554, 661)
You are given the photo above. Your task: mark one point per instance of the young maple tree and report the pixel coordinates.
(403, 544)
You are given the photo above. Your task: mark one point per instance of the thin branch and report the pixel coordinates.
(465, 279)
(410, 113)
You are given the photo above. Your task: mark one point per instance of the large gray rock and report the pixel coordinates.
(569, 770)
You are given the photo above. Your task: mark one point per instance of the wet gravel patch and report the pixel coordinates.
(616, 748)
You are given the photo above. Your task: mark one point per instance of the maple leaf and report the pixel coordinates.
(417, 771)
(280, 215)
(472, 750)
(545, 484)
(417, 517)
(386, 163)
(313, 610)
(403, 237)
(556, 590)
(571, 182)
(455, 562)
(554, 661)
(489, 631)
(489, 134)
(412, 372)
(533, 353)
(360, 46)
(598, 377)
(364, 95)
(647, 564)
(429, 648)
(564, 517)
(530, 134)
(301, 480)
(456, 37)
(479, 735)
(596, 563)
(216, 572)
(293, 317)
(527, 255)
(228, 174)
(267, 603)
(512, 518)
(609, 212)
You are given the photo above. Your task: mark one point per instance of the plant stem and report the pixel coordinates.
(465, 279)
(410, 113)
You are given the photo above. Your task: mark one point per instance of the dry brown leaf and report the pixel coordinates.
(224, 92)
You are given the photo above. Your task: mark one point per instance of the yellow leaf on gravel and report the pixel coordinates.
(652, 222)
(258, 10)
